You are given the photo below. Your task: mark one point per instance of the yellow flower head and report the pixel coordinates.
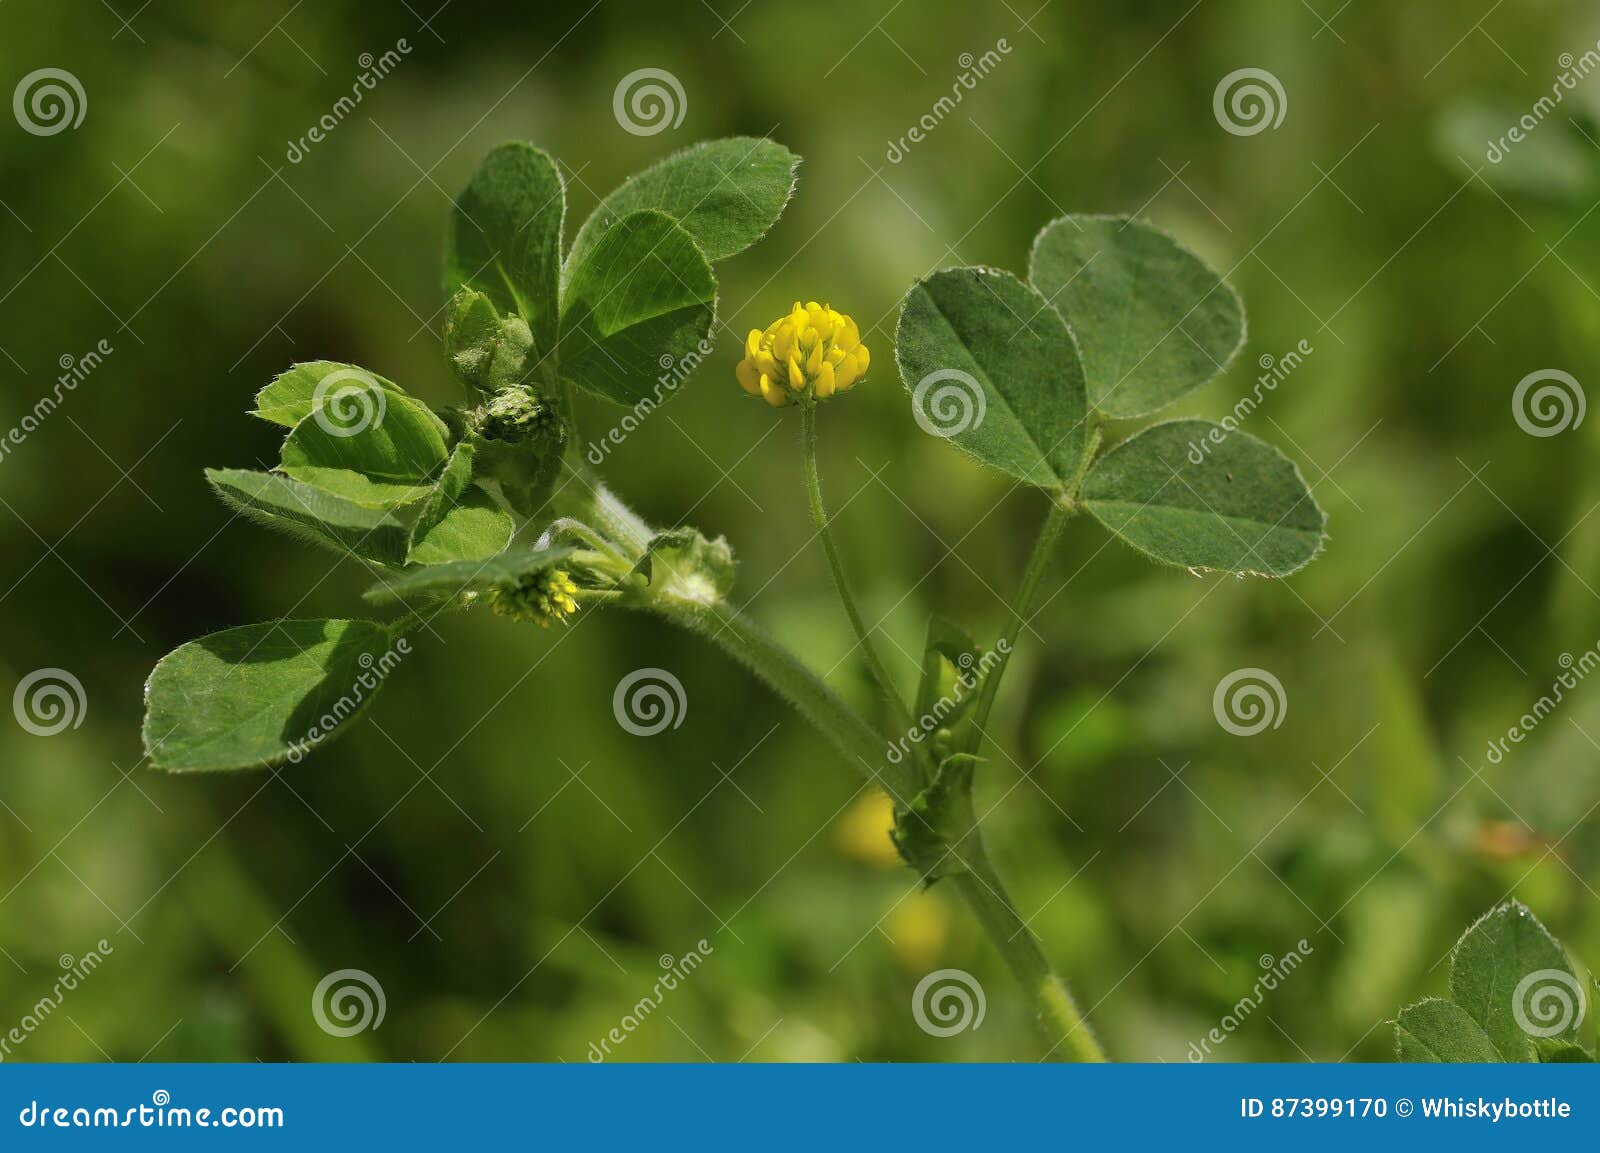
(546, 596)
(808, 355)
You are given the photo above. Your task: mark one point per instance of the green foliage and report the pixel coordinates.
(725, 194)
(1154, 322)
(431, 501)
(505, 238)
(997, 332)
(464, 579)
(1119, 321)
(312, 515)
(292, 395)
(459, 520)
(256, 695)
(382, 460)
(1244, 508)
(1514, 997)
(487, 351)
(641, 299)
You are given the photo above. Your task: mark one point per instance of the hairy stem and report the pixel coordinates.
(819, 520)
(860, 744)
(1021, 606)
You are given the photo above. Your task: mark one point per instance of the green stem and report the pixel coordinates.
(1057, 1012)
(1021, 607)
(819, 520)
(979, 884)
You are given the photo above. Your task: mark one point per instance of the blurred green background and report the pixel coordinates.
(508, 862)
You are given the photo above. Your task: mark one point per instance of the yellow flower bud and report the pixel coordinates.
(807, 355)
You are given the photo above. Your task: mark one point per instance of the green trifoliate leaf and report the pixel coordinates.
(312, 515)
(464, 578)
(725, 194)
(682, 564)
(261, 694)
(1512, 977)
(291, 397)
(488, 352)
(458, 520)
(1153, 320)
(993, 368)
(641, 297)
(372, 448)
(505, 238)
(1441, 1031)
(1234, 504)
